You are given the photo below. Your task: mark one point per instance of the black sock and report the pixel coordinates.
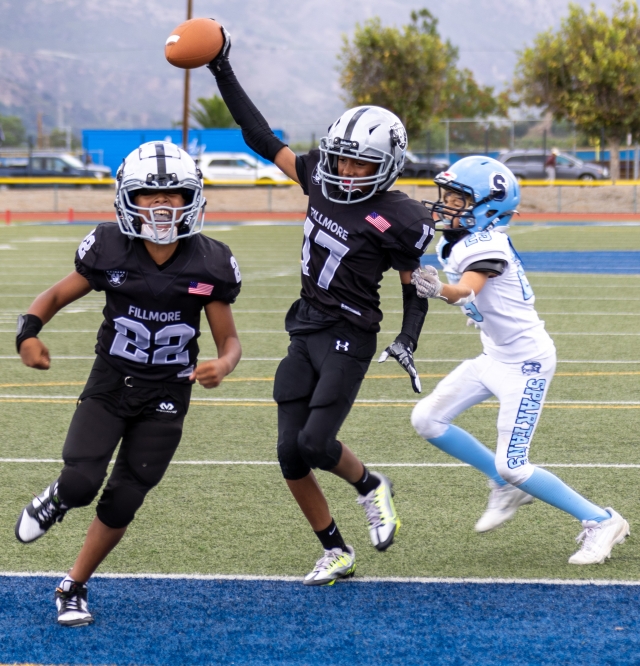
(330, 537)
(367, 483)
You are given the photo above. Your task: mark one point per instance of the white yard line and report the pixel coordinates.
(364, 579)
(272, 463)
(374, 401)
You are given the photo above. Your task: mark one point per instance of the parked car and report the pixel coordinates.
(415, 167)
(239, 167)
(530, 164)
(52, 165)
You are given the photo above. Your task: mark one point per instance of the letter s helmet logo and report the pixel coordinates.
(498, 185)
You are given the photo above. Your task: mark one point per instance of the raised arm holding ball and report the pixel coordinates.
(355, 230)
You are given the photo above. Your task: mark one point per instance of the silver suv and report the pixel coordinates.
(530, 164)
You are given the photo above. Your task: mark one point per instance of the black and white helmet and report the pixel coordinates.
(366, 133)
(159, 166)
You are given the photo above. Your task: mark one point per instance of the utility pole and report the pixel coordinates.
(185, 105)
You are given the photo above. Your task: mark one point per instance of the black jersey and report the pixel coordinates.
(347, 247)
(152, 316)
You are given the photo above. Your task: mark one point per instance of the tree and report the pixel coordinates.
(58, 139)
(212, 112)
(411, 72)
(13, 130)
(588, 72)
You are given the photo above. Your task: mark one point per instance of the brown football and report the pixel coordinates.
(194, 43)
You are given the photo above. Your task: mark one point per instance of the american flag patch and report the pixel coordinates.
(378, 222)
(200, 288)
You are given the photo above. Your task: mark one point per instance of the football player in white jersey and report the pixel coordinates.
(478, 196)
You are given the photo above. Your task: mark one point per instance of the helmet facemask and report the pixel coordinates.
(348, 189)
(454, 208)
(159, 222)
(162, 223)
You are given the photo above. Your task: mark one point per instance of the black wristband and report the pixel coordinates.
(255, 129)
(29, 326)
(414, 312)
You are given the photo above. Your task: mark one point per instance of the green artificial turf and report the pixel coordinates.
(240, 518)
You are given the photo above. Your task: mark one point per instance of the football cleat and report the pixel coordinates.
(335, 563)
(504, 501)
(381, 513)
(71, 601)
(40, 514)
(599, 538)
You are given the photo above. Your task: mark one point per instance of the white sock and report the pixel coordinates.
(66, 583)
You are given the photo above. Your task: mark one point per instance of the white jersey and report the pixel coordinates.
(510, 328)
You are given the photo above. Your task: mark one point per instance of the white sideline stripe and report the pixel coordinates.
(363, 579)
(369, 464)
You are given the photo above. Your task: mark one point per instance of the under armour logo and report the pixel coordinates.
(342, 346)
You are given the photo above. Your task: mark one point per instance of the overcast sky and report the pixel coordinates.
(104, 60)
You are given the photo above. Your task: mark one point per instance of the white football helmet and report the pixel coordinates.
(159, 166)
(367, 133)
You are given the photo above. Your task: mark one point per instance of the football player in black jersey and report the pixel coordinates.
(355, 230)
(157, 277)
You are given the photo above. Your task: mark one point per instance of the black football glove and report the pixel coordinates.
(403, 353)
(214, 65)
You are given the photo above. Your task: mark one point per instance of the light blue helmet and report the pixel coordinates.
(490, 187)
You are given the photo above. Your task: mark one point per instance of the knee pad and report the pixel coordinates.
(426, 421)
(76, 489)
(291, 463)
(118, 505)
(318, 451)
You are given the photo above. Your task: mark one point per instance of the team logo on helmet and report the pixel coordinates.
(446, 176)
(498, 186)
(399, 135)
(315, 176)
(116, 278)
(531, 368)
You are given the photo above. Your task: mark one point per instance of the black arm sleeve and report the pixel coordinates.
(414, 312)
(255, 129)
(488, 266)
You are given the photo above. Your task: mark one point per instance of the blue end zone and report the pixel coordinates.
(143, 621)
(613, 262)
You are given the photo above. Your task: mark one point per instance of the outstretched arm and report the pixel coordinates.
(211, 373)
(255, 129)
(428, 285)
(33, 352)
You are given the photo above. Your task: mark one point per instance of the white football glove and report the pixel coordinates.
(427, 282)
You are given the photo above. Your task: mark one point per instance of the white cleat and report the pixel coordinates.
(598, 539)
(381, 513)
(40, 514)
(504, 501)
(335, 563)
(71, 603)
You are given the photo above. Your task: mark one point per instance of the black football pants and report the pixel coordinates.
(315, 386)
(148, 421)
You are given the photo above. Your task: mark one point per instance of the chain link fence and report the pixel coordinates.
(450, 140)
